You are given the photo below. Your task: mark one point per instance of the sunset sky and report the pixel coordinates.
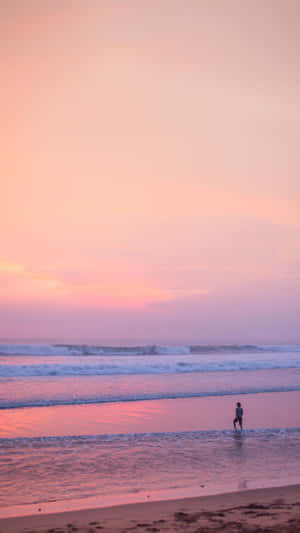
(150, 170)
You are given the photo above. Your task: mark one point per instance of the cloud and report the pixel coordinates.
(18, 283)
(265, 312)
(95, 289)
(11, 268)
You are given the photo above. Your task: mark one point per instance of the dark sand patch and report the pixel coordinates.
(274, 510)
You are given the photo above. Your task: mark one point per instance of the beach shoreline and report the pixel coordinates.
(269, 509)
(98, 471)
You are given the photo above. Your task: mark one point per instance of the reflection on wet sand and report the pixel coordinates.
(153, 416)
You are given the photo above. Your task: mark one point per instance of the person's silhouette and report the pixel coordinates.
(238, 416)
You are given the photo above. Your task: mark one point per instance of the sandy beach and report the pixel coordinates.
(261, 510)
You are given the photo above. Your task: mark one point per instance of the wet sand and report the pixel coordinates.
(262, 410)
(261, 510)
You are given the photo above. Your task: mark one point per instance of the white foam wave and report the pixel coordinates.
(48, 349)
(153, 349)
(131, 438)
(163, 365)
(174, 350)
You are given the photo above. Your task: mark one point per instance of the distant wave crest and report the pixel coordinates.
(153, 349)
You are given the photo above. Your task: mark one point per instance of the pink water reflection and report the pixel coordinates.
(189, 414)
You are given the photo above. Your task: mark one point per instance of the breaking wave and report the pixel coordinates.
(153, 349)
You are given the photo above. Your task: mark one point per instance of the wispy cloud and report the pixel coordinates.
(108, 289)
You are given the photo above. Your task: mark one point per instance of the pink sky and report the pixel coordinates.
(150, 170)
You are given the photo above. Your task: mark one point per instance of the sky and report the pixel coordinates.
(150, 170)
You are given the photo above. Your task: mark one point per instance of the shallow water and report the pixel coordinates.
(83, 389)
(53, 469)
(262, 410)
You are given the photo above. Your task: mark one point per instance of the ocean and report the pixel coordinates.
(89, 425)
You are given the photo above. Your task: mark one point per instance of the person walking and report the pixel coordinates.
(238, 416)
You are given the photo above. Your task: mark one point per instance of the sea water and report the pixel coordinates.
(129, 423)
